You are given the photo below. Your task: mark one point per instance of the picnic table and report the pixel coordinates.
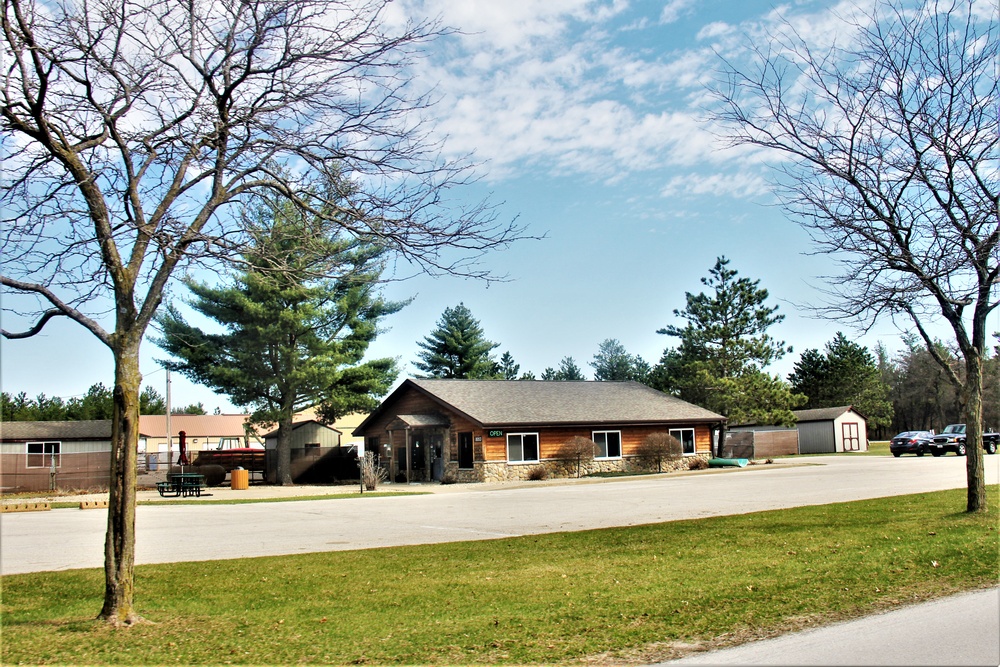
(181, 484)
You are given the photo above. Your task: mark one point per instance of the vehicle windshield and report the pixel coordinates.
(954, 428)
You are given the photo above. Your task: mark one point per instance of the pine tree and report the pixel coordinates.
(292, 340)
(613, 363)
(457, 348)
(507, 369)
(845, 375)
(724, 349)
(568, 371)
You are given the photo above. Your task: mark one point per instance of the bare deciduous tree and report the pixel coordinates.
(890, 153)
(130, 128)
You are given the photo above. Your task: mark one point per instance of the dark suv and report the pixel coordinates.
(910, 442)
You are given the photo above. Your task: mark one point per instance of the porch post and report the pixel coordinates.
(393, 465)
(409, 457)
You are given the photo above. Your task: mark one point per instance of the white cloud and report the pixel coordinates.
(515, 25)
(740, 185)
(593, 87)
(674, 9)
(714, 30)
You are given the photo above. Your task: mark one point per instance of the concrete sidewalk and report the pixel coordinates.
(962, 629)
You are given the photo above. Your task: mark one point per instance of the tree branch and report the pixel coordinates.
(61, 308)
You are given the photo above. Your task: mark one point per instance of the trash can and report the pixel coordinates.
(239, 479)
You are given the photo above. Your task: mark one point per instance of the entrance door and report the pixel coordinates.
(465, 451)
(852, 437)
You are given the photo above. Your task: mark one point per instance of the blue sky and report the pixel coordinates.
(587, 119)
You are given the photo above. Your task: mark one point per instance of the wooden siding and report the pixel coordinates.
(409, 404)
(493, 450)
(551, 439)
(309, 434)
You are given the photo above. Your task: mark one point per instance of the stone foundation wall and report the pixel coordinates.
(501, 471)
(453, 474)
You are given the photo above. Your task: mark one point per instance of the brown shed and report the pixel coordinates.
(37, 456)
(498, 430)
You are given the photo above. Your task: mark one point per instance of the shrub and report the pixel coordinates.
(578, 449)
(538, 473)
(658, 447)
(697, 463)
(371, 472)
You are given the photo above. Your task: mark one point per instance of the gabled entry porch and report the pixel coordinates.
(417, 443)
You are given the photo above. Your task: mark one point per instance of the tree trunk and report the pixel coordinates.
(284, 451)
(721, 442)
(119, 545)
(973, 413)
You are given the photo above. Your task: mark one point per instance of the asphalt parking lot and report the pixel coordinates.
(72, 538)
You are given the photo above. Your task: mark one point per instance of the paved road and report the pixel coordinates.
(71, 538)
(959, 630)
(64, 539)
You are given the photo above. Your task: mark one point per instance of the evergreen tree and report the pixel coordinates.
(724, 349)
(457, 348)
(507, 369)
(568, 371)
(192, 409)
(293, 339)
(845, 375)
(97, 403)
(613, 363)
(151, 402)
(811, 377)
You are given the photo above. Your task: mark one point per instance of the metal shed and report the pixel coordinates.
(829, 430)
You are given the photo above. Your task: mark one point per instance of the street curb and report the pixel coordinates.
(93, 504)
(26, 507)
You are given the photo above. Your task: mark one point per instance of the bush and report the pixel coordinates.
(538, 473)
(658, 447)
(578, 449)
(371, 472)
(697, 463)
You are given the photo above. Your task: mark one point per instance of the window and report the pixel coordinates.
(522, 448)
(686, 436)
(43, 454)
(609, 444)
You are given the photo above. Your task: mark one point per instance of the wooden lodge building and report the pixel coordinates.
(500, 430)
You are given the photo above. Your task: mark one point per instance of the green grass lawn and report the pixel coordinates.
(621, 595)
(878, 448)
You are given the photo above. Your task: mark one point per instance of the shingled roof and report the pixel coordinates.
(98, 429)
(822, 414)
(521, 402)
(811, 415)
